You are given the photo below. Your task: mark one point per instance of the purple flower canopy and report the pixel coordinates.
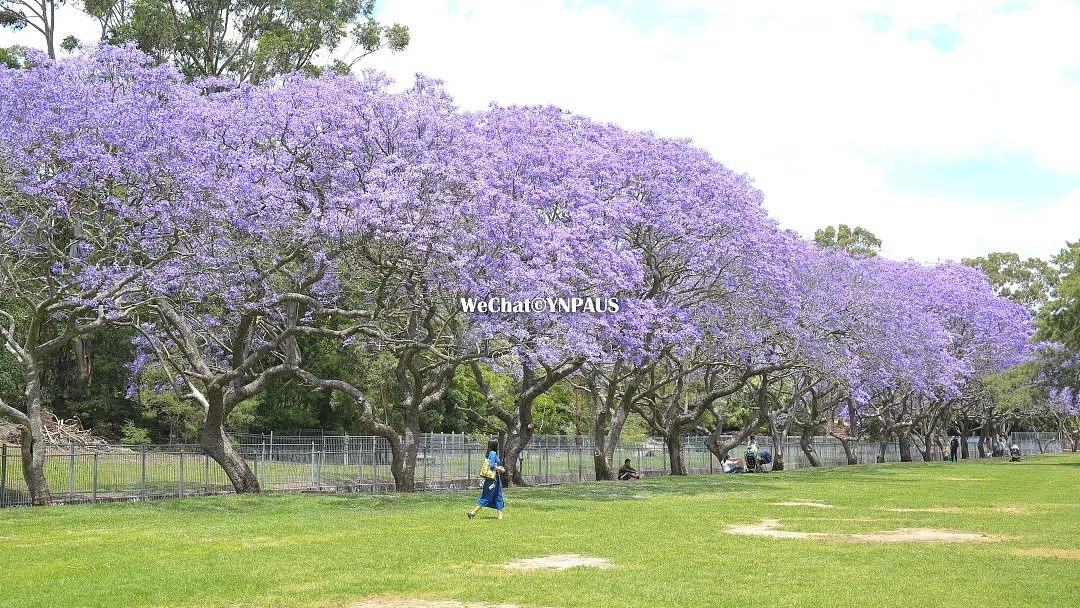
(340, 192)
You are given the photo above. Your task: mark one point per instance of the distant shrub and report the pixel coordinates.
(134, 435)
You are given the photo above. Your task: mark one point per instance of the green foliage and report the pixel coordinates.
(134, 435)
(250, 41)
(172, 418)
(69, 43)
(13, 57)
(451, 413)
(1017, 389)
(1028, 282)
(100, 402)
(1060, 318)
(857, 241)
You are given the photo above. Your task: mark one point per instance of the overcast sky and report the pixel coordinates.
(949, 129)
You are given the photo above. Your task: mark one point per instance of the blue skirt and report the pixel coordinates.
(492, 495)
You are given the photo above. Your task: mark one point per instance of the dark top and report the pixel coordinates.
(627, 469)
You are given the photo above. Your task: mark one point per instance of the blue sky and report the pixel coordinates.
(948, 128)
(1004, 180)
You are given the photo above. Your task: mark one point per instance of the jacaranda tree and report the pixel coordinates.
(240, 229)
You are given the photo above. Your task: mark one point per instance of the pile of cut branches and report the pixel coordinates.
(58, 431)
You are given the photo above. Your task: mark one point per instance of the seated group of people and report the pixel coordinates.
(754, 459)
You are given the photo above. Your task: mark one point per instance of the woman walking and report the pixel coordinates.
(492, 496)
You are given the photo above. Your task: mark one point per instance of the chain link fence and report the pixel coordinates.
(332, 463)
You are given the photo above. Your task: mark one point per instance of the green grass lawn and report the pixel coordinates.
(665, 536)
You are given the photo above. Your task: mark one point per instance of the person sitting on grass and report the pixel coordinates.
(627, 472)
(733, 465)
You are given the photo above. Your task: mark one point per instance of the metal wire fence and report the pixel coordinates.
(324, 463)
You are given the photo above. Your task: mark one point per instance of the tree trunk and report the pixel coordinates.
(903, 440)
(218, 446)
(1074, 438)
(33, 467)
(604, 450)
(33, 442)
(941, 442)
(397, 450)
(779, 438)
(928, 447)
(602, 466)
(607, 428)
(673, 442)
(965, 432)
(516, 442)
(405, 481)
(806, 442)
(721, 449)
(851, 452)
(519, 422)
(851, 444)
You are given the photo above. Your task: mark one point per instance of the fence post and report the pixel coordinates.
(374, 464)
(345, 451)
(262, 467)
(93, 492)
(270, 455)
(71, 473)
(180, 492)
(206, 472)
(142, 488)
(3, 475)
(580, 459)
(312, 464)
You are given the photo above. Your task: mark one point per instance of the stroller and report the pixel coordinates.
(754, 462)
(1014, 453)
(764, 457)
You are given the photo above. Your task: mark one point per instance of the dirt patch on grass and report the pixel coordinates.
(561, 561)
(1048, 552)
(1010, 509)
(773, 528)
(804, 503)
(922, 510)
(1019, 510)
(921, 535)
(412, 602)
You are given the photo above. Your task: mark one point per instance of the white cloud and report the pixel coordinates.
(799, 95)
